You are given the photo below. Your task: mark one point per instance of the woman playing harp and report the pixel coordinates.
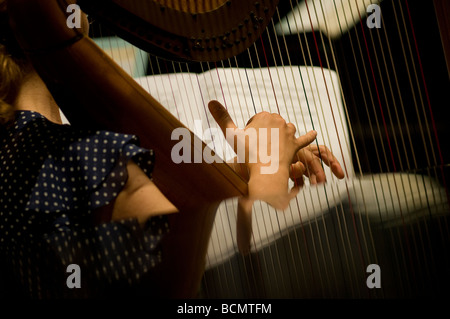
(71, 196)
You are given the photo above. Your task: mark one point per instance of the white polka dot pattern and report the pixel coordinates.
(52, 177)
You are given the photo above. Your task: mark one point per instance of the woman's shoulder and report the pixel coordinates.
(31, 125)
(61, 159)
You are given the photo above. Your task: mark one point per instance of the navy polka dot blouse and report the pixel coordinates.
(52, 178)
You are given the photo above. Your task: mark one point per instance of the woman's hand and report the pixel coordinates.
(308, 162)
(267, 147)
(290, 157)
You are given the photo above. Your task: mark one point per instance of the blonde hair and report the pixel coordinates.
(13, 68)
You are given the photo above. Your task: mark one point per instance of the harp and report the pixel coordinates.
(376, 96)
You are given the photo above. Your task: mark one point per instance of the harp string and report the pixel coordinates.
(385, 129)
(352, 213)
(231, 107)
(314, 252)
(393, 191)
(364, 239)
(240, 109)
(321, 248)
(313, 241)
(291, 212)
(419, 229)
(412, 253)
(370, 93)
(256, 269)
(302, 224)
(433, 264)
(189, 102)
(396, 187)
(365, 99)
(298, 208)
(223, 268)
(410, 208)
(375, 254)
(261, 225)
(266, 224)
(441, 158)
(425, 87)
(363, 210)
(419, 90)
(322, 253)
(395, 108)
(338, 93)
(277, 106)
(249, 111)
(276, 252)
(418, 263)
(352, 181)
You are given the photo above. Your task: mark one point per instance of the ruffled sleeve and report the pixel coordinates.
(87, 173)
(57, 178)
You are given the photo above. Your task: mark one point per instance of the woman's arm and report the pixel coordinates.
(140, 198)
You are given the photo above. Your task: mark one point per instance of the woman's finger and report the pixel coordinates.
(328, 158)
(297, 170)
(292, 127)
(221, 115)
(306, 139)
(225, 122)
(314, 169)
